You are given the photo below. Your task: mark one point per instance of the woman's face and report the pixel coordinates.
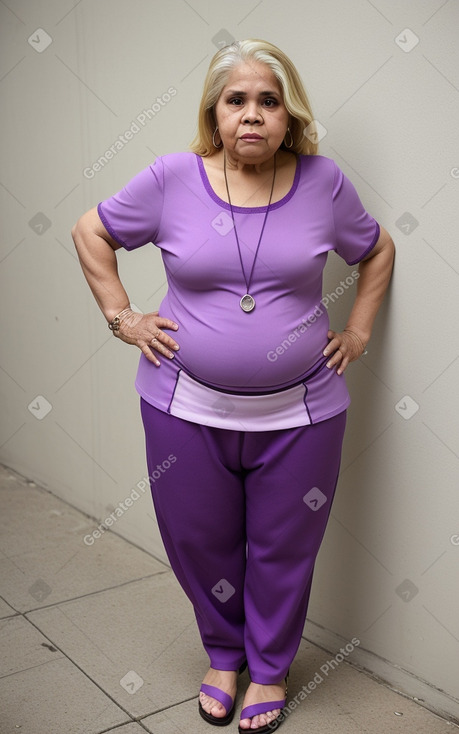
(251, 116)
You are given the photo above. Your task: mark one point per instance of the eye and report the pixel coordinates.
(235, 101)
(270, 102)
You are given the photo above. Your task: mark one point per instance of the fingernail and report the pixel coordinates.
(176, 346)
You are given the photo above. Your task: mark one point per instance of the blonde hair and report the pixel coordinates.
(294, 95)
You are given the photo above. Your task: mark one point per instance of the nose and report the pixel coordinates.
(252, 114)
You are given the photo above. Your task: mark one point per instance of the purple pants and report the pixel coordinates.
(242, 516)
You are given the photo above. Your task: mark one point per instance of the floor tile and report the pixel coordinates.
(5, 609)
(184, 718)
(42, 692)
(43, 556)
(139, 642)
(347, 701)
(127, 729)
(23, 647)
(108, 636)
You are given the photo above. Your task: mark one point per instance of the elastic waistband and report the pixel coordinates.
(200, 403)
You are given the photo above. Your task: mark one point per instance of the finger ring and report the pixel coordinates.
(154, 340)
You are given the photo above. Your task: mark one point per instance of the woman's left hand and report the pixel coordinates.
(345, 347)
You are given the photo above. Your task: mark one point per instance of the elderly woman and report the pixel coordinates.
(240, 375)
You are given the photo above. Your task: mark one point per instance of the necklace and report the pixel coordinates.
(247, 302)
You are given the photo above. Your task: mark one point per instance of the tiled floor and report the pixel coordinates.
(102, 639)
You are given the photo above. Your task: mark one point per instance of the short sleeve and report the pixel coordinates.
(133, 215)
(355, 230)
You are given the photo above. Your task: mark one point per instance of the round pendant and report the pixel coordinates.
(247, 303)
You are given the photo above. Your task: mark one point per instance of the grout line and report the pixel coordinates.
(108, 695)
(166, 708)
(117, 726)
(32, 667)
(84, 514)
(133, 719)
(360, 668)
(93, 593)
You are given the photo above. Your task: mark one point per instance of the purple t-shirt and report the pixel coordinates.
(279, 343)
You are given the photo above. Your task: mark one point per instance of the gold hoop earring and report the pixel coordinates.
(291, 139)
(213, 140)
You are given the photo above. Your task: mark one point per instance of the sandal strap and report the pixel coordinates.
(219, 695)
(261, 708)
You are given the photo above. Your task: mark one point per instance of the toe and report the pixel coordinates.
(257, 722)
(217, 710)
(211, 706)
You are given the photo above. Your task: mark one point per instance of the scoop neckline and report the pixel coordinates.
(248, 209)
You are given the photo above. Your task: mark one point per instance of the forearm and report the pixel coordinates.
(99, 264)
(374, 278)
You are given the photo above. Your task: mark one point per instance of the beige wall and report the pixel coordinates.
(387, 573)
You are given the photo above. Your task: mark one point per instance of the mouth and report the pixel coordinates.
(251, 136)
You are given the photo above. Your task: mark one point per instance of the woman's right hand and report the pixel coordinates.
(146, 332)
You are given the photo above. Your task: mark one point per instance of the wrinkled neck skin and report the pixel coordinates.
(247, 167)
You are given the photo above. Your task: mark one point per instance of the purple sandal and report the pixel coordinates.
(262, 708)
(223, 698)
